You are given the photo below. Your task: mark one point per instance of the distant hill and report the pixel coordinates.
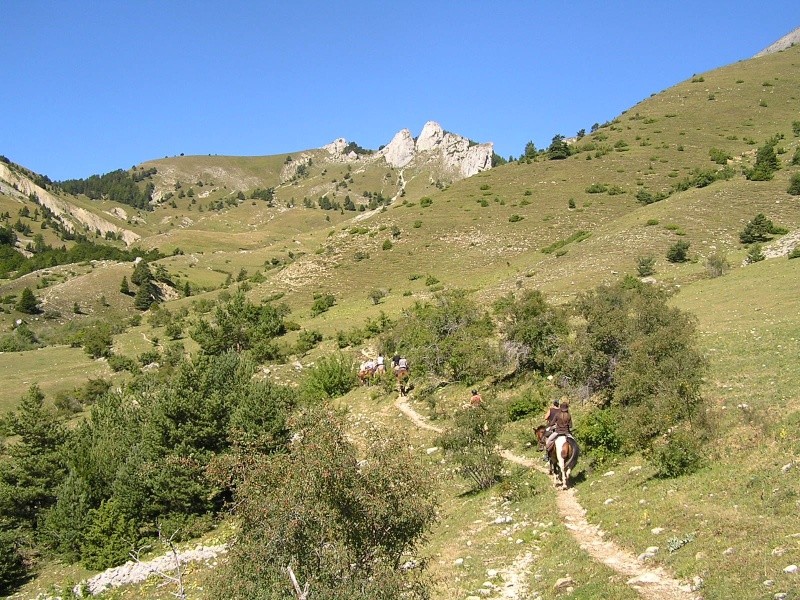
(787, 41)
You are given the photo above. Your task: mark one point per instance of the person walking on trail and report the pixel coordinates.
(476, 399)
(563, 424)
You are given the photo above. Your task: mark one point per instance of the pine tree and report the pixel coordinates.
(123, 287)
(27, 302)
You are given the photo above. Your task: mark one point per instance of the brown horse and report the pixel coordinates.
(365, 376)
(402, 380)
(563, 456)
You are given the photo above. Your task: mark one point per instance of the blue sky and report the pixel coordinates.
(89, 87)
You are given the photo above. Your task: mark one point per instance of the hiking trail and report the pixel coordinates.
(652, 583)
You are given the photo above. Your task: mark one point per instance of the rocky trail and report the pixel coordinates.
(652, 583)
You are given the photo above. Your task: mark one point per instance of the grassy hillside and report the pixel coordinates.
(559, 226)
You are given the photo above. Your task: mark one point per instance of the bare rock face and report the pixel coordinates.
(790, 39)
(336, 147)
(448, 152)
(65, 212)
(401, 150)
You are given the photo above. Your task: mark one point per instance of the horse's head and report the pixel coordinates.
(540, 434)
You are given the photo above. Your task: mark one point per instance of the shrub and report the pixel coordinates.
(717, 265)
(117, 362)
(431, 280)
(597, 188)
(599, 434)
(322, 303)
(417, 224)
(755, 254)
(377, 295)
(472, 442)
(571, 203)
(794, 185)
(721, 157)
(530, 402)
(387, 245)
(27, 303)
(12, 563)
(330, 377)
(343, 524)
(307, 339)
(645, 266)
(678, 252)
(680, 454)
(514, 218)
(795, 253)
(109, 538)
(425, 201)
(759, 229)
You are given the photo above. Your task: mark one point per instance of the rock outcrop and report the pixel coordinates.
(451, 154)
(790, 39)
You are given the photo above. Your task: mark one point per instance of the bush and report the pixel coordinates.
(794, 185)
(514, 218)
(330, 377)
(530, 402)
(472, 442)
(755, 254)
(110, 537)
(721, 157)
(599, 435)
(680, 454)
(645, 266)
(387, 245)
(322, 303)
(597, 188)
(343, 524)
(717, 265)
(12, 563)
(678, 252)
(307, 339)
(795, 253)
(759, 229)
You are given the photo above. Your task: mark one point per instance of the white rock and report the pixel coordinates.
(634, 469)
(728, 551)
(768, 583)
(608, 474)
(657, 530)
(609, 501)
(432, 450)
(787, 467)
(790, 569)
(491, 573)
(458, 562)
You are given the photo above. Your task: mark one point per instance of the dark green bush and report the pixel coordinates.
(678, 252)
(680, 454)
(12, 563)
(530, 402)
(794, 184)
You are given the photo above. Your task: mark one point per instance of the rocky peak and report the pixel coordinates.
(401, 150)
(787, 41)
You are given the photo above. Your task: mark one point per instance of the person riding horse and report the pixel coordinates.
(562, 424)
(550, 421)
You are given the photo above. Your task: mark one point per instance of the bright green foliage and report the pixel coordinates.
(448, 338)
(110, 537)
(307, 339)
(322, 303)
(639, 353)
(531, 328)
(531, 402)
(330, 377)
(97, 340)
(599, 434)
(240, 325)
(472, 443)
(678, 252)
(343, 524)
(27, 303)
(721, 157)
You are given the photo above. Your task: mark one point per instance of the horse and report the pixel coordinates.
(365, 376)
(563, 456)
(402, 380)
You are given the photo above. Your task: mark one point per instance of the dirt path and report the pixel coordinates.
(653, 583)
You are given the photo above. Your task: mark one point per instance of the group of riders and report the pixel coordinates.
(558, 420)
(377, 366)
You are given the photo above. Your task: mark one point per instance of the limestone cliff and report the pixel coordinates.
(435, 148)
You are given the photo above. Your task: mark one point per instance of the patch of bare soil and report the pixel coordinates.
(653, 583)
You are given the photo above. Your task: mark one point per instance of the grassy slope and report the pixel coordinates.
(748, 319)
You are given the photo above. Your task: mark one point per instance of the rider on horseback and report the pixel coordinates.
(550, 420)
(562, 424)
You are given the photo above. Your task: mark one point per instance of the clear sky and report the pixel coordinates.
(88, 87)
